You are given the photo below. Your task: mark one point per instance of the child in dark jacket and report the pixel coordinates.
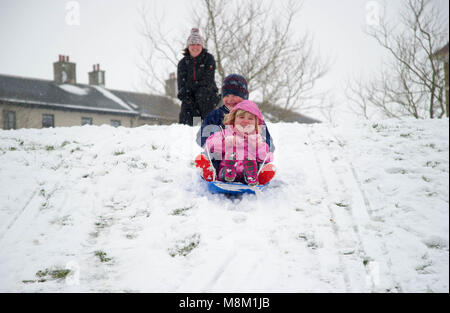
(196, 85)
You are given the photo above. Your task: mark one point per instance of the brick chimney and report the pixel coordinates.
(97, 76)
(64, 72)
(171, 86)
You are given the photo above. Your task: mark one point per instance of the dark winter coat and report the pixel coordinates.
(196, 85)
(214, 122)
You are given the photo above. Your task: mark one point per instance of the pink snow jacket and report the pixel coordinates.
(252, 147)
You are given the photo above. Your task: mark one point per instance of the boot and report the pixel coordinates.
(251, 172)
(228, 172)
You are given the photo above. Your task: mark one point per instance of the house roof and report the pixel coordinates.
(277, 114)
(150, 106)
(81, 97)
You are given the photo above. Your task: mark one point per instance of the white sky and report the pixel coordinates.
(34, 33)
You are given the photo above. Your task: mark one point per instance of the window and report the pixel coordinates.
(11, 120)
(86, 121)
(48, 120)
(115, 123)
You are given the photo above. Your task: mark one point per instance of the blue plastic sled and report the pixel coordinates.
(233, 188)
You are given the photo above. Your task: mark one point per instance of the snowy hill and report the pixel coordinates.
(361, 208)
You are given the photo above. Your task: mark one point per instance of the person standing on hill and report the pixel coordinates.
(197, 88)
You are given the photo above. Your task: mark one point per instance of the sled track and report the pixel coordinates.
(27, 218)
(219, 272)
(348, 213)
(334, 226)
(17, 216)
(349, 167)
(355, 217)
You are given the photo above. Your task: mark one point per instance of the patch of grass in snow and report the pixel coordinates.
(49, 148)
(423, 268)
(341, 204)
(130, 236)
(432, 245)
(181, 211)
(435, 242)
(45, 204)
(55, 274)
(186, 246)
(47, 274)
(118, 152)
(432, 164)
(366, 261)
(312, 245)
(379, 128)
(104, 222)
(102, 256)
(76, 149)
(397, 170)
(44, 194)
(310, 241)
(65, 143)
(12, 148)
(63, 221)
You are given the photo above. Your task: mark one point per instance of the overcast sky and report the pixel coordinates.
(33, 34)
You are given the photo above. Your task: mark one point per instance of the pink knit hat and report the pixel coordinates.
(250, 107)
(195, 38)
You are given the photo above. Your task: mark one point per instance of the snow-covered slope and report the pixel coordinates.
(361, 208)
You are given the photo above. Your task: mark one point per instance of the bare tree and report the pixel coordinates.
(161, 50)
(256, 41)
(413, 83)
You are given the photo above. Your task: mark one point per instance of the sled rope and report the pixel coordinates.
(210, 162)
(262, 165)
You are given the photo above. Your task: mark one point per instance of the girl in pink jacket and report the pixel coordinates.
(241, 148)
